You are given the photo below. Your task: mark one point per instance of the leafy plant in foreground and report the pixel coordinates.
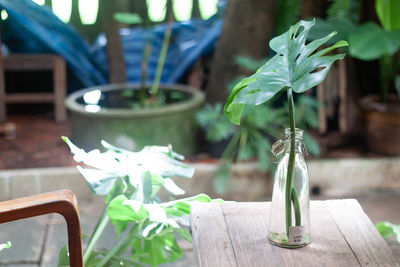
(296, 67)
(131, 181)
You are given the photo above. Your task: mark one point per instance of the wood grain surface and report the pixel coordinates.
(235, 234)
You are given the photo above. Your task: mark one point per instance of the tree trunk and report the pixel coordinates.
(313, 8)
(2, 83)
(169, 12)
(368, 13)
(140, 7)
(75, 16)
(196, 10)
(115, 55)
(248, 26)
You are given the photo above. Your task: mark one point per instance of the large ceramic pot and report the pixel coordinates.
(382, 125)
(111, 113)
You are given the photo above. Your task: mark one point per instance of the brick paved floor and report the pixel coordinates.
(37, 144)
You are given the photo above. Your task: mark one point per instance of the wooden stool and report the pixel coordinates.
(37, 62)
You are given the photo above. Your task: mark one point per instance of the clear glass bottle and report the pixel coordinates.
(295, 231)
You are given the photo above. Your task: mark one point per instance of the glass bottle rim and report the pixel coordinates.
(298, 134)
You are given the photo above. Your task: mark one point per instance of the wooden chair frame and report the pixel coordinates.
(63, 202)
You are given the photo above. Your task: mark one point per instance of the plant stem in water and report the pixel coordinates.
(289, 195)
(296, 206)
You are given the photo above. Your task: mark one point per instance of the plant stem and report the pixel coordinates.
(143, 89)
(102, 222)
(98, 231)
(296, 206)
(161, 59)
(121, 245)
(290, 171)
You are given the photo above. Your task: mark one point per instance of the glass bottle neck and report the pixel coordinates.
(298, 139)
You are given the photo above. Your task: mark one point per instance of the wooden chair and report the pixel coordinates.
(35, 62)
(63, 202)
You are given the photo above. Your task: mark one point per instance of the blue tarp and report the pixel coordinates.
(189, 41)
(31, 28)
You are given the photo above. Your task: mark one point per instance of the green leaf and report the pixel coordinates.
(117, 163)
(221, 180)
(147, 187)
(249, 63)
(307, 112)
(311, 145)
(120, 187)
(185, 234)
(100, 183)
(174, 212)
(128, 18)
(388, 13)
(344, 11)
(117, 261)
(157, 249)
(171, 187)
(5, 245)
(387, 229)
(157, 182)
(263, 149)
(214, 122)
(296, 65)
(370, 42)
(122, 209)
(324, 27)
(184, 203)
(63, 257)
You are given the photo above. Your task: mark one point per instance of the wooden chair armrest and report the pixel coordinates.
(63, 202)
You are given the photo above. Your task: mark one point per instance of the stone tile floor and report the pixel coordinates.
(36, 241)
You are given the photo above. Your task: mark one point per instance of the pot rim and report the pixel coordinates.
(196, 100)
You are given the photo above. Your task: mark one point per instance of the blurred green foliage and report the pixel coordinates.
(259, 127)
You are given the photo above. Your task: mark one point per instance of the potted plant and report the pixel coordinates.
(381, 112)
(296, 68)
(145, 227)
(135, 115)
(370, 41)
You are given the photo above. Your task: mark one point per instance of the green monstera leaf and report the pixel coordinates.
(296, 65)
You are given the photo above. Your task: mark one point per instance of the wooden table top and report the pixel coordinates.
(235, 234)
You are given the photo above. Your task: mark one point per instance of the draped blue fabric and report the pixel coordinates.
(31, 28)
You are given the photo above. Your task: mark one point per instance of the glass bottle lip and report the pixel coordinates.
(298, 134)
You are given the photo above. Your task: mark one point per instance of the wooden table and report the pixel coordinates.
(235, 234)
